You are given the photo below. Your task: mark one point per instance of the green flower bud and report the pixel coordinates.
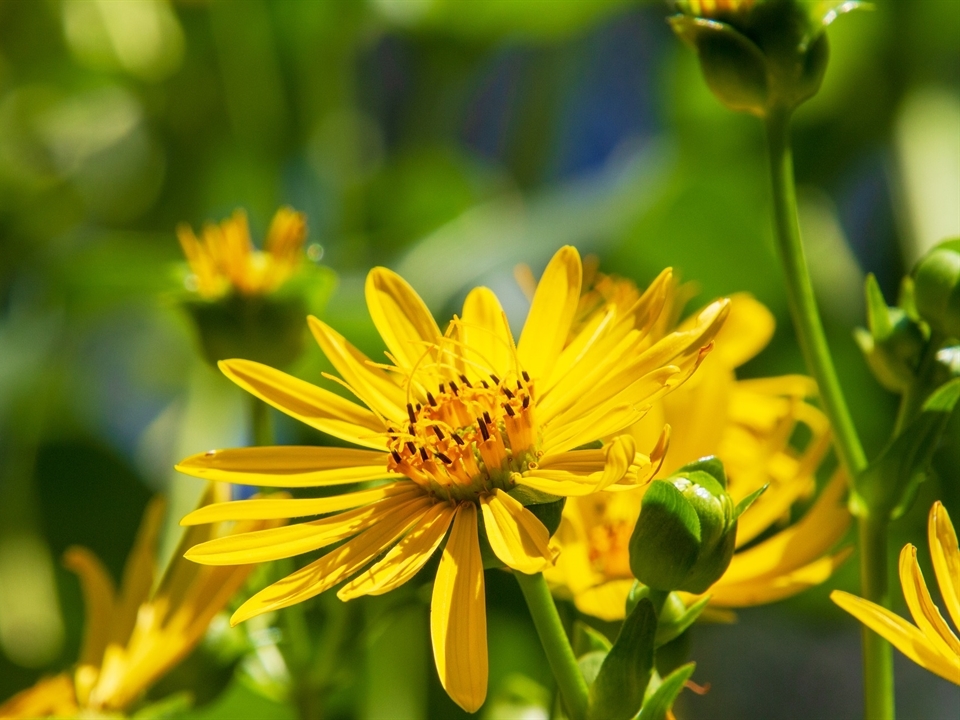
(757, 55)
(269, 330)
(936, 289)
(686, 533)
(894, 342)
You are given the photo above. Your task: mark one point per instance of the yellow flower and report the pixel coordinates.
(456, 422)
(930, 643)
(748, 424)
(134, 636)
(225, 260)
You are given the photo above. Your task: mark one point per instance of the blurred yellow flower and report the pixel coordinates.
(930, 643)
(225, 260)
(751, 425)
(464, 424)
(135, 636)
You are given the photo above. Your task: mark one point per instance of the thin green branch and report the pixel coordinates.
(563, 663)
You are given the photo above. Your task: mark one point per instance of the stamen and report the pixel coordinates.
(526, 402)
(509, 410)
(526, 376)
(411, 447)
(411, 414)
(485, 384)
(486, 416)
(396, 456)
(423, 454)
(438, 431)
(483, 429)
(457, 439)
(465, 381)
(506, 391)
(431, 399)
(496, 380)
(444, 458)
(453, 387)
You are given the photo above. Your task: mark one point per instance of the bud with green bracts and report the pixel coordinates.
(687, 530)
(893, 342)
(757, 55)
(936, 281)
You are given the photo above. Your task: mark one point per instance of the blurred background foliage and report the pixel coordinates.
(449, 140)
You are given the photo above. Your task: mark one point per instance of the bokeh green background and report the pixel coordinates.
(450, 140)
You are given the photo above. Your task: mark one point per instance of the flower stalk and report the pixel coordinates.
(877, 653)
(553, 638)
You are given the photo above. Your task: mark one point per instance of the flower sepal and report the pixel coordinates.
(686, 533)
(758, 56)
(547, 508)
(893, 342)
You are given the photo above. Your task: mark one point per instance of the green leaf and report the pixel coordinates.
(590, 665)
(618, 691)
(659, 703)
(745, 504)
(878, 315)
(586, 639)
(549, 513)
(888, 486)
(670, 628)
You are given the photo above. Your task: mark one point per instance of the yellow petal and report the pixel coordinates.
(607, 601)
(798, 545)
(404, 322)
(372, 384)
(946, 558)
(273, 508)
(138, 572)
(458, 614)
(901, 634)
(551, 313)
(745, 333)
(314, 406)
(487, 334)
(925, 613)
(99, 601)
(50, 697)
(288, 466)
(599, 423)
(405, 558)
(334, 567)
(283, 542)
(768, 588)
(516, 536)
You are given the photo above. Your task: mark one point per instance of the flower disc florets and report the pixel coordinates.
(468, 438)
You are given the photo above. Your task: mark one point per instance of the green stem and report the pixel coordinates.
(878, 667)
(563, 663)
(877, 653)
(917, 391)
(803, 303)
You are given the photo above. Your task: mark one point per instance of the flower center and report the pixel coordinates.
(468, 438)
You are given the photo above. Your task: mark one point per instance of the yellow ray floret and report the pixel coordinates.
(930, 643)
(749, 424)
(454, 424)
(223, 259)
(134, 634)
